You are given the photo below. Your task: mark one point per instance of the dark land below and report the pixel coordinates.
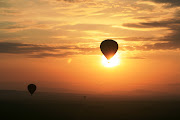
(65, 106)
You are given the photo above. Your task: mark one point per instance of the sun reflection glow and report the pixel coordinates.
(114, 61)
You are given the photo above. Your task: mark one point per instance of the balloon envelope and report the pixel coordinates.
(31, 88)
(109, 48)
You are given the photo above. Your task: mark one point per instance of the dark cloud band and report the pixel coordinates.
(172, 3)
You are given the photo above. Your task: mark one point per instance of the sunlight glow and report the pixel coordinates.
(114, 61)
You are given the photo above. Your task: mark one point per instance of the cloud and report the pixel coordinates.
(42, 55)
(4, 4)
(20, 48)
(40, 51)
(52, 25)
(171, 3)
(136, 57)
(136, 39)
(11, 26)
(73, 0)
(83, 27)
(159, 46)
(19, 26)
(172, 39)
(165, 23)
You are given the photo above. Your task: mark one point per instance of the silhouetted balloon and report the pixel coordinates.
(109, 48)
(31, 88)
(84, 97)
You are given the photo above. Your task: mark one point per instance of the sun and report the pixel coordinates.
(114, 61)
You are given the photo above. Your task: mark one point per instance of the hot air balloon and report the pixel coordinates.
(84, 97)
(31, 88)
(109, 48)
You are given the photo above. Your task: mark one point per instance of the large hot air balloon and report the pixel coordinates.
(31, 88)
(109, 48)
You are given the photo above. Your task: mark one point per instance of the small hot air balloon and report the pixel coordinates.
(84, 97)
(31, 88)
(109, 48)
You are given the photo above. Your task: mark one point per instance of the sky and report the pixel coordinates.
(55, 45)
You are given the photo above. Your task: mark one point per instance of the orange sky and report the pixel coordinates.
(55, 44)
